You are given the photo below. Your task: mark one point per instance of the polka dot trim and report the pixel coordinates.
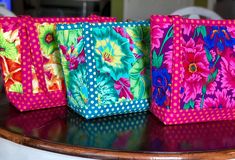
(176, 68)
(36, 54)
(29, 101)
(171, 117)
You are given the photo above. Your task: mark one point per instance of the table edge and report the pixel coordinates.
(108, 154)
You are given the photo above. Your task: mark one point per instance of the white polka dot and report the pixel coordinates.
(92, 95)
(90, 70)
(88, 45)
(117, 109)
(69, 27)
(107, 110)
(88, 51)
(91, 89)
(96, 111)
(92, 54)
(86, 26)
(91, 76)
(94, 73)
(90, 64)
(75, 26)
(101, 111)
(91, 83)
(86, 32)
(89, 112)
(62, 27)
(87, 38)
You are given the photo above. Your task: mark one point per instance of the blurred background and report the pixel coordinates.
(122, 9)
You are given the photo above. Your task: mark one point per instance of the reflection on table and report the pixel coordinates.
(131, 132)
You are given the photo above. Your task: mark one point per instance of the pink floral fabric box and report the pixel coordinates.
(30, 60)
(193, 66)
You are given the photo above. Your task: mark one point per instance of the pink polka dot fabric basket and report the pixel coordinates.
(30, 60)
(193, 66)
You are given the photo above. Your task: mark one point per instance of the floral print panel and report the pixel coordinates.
(71, 45)
(51, 56)
(121, 57)
(208, 67)
(10, 56)
(162, 49)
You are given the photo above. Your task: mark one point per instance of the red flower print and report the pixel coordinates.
(11, 72)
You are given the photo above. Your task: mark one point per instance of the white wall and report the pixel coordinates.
(13, 151)
(142, 9)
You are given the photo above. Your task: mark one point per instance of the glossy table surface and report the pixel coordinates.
(138, 135)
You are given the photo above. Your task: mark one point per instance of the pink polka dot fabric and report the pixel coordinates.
(31, 58)
(192, 63)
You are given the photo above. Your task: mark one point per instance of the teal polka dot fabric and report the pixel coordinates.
(106, 67)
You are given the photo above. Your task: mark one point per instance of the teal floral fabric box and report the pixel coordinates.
(106, 67)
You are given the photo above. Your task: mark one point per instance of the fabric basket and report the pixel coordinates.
(106, 67)
(31, 61)
(193, 66)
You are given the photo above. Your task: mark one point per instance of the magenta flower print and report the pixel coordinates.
(187, 29)
(221, 100)
(123, 88)
(195, 69)
(168, 59)
(231, 31)
(157, 34)
(228, 72)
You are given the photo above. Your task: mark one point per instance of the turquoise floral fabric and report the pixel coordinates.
(123, 54)
(71, 46)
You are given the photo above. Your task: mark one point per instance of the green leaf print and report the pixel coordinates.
(157, 60)
(139, 80)
(17, 87)
(7, 49)
(190, 104)
(141, 37)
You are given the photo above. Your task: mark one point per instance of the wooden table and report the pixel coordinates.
(137, 136)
